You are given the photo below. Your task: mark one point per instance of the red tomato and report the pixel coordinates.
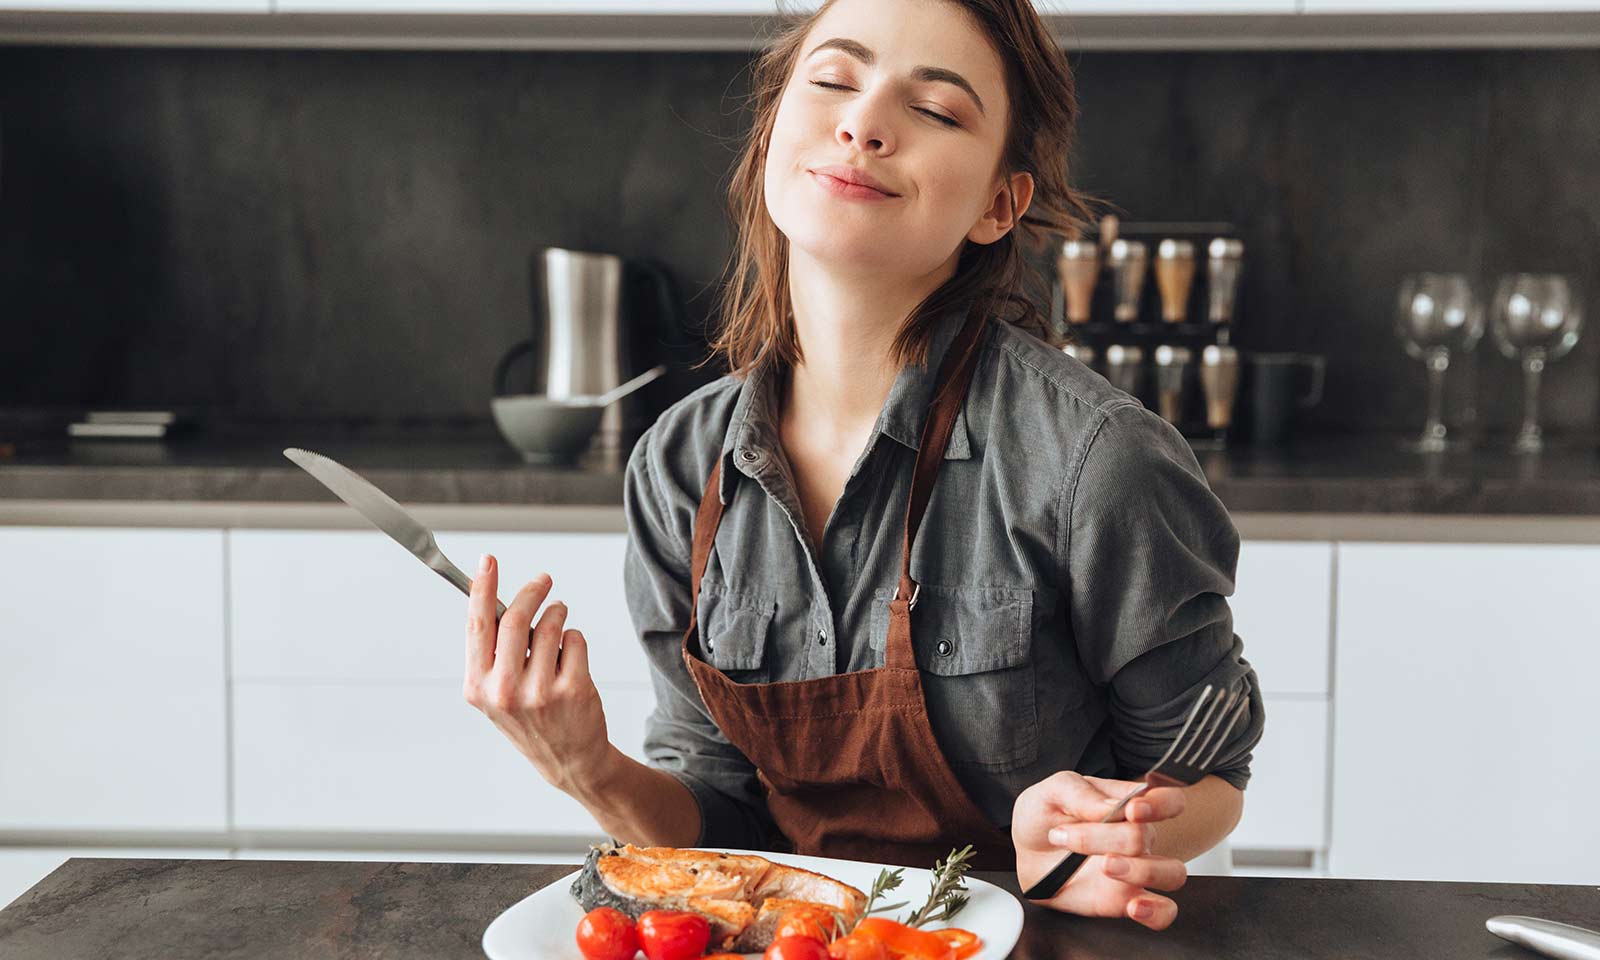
(607, 934)
(796, 948)
(855, 946)
(673, 934)
(815, 923)
(965, 942)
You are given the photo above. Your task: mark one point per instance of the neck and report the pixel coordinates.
(846, 326)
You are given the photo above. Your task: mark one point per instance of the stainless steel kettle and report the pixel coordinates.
(598, 319)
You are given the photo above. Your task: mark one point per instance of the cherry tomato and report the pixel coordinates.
(855, 946)
(964, 942)
(673, 934)
(607, 934)
(796, 948)
(816, 923)
(904, 941)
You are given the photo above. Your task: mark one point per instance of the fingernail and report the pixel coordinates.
(1141, 810)
(1060, 837)
(483, 563)
(1116, 867)
(1144, 910)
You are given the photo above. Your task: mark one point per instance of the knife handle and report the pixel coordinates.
(1560, 940)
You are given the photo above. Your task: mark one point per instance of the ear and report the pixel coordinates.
(1001, 216)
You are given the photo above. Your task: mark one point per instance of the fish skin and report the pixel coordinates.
(723, 888)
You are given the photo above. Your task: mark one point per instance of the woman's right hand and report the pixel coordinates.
(537, 688)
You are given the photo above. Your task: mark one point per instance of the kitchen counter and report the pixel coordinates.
(471, 465)
(177, 909)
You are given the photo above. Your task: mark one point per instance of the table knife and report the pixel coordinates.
(1560, 940)
(385, 514)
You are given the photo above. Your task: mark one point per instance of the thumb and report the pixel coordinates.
(574, 662)
(1080, 797)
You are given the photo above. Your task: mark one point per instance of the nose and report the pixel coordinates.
(864, 125)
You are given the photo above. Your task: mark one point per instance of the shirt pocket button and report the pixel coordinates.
(944, 648)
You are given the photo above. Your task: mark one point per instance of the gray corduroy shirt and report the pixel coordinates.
(1074, 568)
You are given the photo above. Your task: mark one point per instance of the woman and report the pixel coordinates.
(910, 578)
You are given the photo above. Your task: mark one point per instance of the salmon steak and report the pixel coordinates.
(742, 896)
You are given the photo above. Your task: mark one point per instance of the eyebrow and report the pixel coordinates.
(921, 74)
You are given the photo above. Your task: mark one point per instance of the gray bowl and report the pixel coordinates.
(546, 430)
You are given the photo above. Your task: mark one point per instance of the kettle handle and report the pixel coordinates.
(504, 366)
(674, 318)
(1319, 367)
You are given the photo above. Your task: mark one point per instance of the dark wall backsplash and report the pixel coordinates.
(291, 233)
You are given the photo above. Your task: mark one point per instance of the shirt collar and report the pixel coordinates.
(752, 436)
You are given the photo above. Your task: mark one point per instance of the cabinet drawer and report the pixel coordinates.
(111, 679)
(330, 605)
(400, 758)
(1281, 609)
(1286, 801)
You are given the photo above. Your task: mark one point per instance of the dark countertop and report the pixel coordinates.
(470, 464)
(177, 909)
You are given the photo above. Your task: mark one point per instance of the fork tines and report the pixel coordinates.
(1198, 747)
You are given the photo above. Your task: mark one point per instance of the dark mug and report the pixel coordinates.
(1279, 384)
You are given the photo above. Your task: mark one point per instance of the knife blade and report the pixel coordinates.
(384, 513)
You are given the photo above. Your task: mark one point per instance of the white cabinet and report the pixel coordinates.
(1450, 6)
(1465, 743)
(548, 7)
(400, 758)
(1080, 8)
(1282, 610)
(111, 679)
(326, 605)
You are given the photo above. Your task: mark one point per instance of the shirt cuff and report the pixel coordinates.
(724, 821)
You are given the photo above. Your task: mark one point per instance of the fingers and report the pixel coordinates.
(573, 666)
(1123, 837)
(1159, 803)
(511, 645)
(1150, 910)
(481, 620)
(1156, 873)
(547, 641)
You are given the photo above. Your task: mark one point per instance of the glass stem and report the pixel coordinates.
(1532, 367)
(1438, 362)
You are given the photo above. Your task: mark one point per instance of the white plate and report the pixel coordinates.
(543, 925)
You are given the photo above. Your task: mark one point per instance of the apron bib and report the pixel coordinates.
(850, 762)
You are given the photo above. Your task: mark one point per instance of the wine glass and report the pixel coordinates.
(1535, 319)
(1437, 313)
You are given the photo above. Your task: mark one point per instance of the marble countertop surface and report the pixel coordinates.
(122, 909)
(472, 465)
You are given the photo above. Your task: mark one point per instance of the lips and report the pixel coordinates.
(853, 175)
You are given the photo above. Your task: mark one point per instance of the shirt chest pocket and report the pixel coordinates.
(974, 646)
(733, 632)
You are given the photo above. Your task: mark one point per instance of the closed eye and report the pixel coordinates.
(947, 121)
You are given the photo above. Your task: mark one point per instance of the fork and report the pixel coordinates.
(1185, 762)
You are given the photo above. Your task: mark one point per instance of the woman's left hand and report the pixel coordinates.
(1061, 814)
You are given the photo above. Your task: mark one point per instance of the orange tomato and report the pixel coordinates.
(813, 922)
(856, 946)
(904, 941)
(964, 942)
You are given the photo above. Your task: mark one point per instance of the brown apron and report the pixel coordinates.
(849, 761)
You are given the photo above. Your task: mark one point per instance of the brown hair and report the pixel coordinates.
(755, 312)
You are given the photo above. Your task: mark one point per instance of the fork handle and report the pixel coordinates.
(1058, 876)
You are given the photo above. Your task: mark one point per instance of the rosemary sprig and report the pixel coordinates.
(948, 894)
(887, 880)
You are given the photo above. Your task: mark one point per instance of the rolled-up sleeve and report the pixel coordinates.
(1151, 556)
(680, 736)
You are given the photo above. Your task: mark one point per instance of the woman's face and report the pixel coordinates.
(915, 99)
